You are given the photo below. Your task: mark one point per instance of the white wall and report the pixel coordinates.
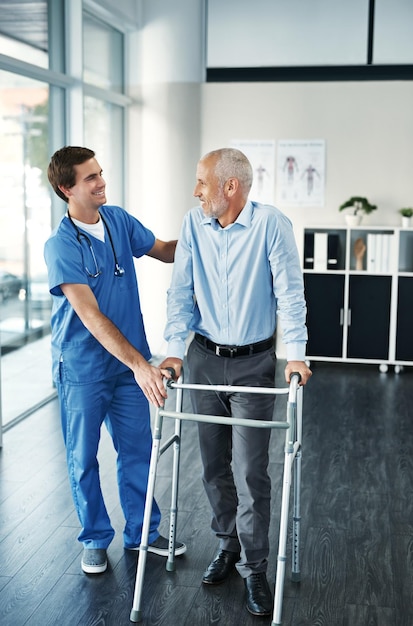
(367, 126)
(166, 72)
(170, 143)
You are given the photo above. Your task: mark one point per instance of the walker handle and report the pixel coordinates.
(170, 381)
(292, 375)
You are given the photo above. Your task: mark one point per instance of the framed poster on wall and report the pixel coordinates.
(300, 172)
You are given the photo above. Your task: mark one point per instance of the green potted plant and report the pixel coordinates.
(358, 206)
(406, 214)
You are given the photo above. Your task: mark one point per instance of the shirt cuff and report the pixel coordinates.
(296, 351)
(176, 348)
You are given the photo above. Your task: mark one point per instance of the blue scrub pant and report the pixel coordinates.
(121, 404)
(235, 458)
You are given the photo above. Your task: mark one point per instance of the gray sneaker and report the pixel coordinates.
(94, 560)
(161, 547)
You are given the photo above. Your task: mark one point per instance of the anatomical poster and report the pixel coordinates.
(300, 177)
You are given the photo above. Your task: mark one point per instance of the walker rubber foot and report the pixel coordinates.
(135, 616)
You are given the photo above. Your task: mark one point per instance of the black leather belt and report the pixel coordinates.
(234, 351)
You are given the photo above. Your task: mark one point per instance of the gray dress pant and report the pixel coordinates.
(235, 459)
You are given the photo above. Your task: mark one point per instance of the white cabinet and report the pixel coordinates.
(359, 291)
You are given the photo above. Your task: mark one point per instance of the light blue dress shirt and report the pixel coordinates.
(230, 284)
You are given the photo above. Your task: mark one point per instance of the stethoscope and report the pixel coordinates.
(119, 271)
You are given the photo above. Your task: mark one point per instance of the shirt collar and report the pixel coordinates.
(243, 219)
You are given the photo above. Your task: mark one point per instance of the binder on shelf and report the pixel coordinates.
(385, 251)
(320, 251)
(308, 251)
(379, 253)
(332, 251)
(390, 262)
(371, 253)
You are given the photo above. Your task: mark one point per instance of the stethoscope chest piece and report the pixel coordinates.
(119, 270)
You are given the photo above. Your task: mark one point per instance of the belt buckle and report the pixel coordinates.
(232, 351)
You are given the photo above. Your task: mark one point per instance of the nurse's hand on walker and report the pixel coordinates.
(148, 377)
(150, 380)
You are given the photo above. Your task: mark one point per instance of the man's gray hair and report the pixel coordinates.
(232, 163)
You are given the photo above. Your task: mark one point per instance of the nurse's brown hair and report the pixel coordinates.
(61, 170)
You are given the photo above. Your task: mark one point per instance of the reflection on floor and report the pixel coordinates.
(26, 379)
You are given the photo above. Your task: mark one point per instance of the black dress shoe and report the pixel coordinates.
(220, 568)
(259, 598)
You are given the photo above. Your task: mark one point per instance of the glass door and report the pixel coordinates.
(25, 224)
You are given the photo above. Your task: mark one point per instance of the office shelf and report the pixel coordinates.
(359, 291)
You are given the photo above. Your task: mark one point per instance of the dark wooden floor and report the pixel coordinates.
(357, 526)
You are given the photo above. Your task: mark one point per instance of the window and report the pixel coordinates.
(24, 32)
(24, 208)
(393, 27)
(102, 55)
(294, 33)
(274, 40)
(104, 135)
(103, 68)
(42, 105)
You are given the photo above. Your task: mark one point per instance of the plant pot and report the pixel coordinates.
(353, 220)
(406, 221)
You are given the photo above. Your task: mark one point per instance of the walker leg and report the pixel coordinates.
(170, 563)
(295, 569)
(136, 613)
(282, 546)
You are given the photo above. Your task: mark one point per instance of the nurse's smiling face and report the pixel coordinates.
(88, 193)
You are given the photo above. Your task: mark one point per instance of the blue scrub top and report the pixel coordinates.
(81, 358)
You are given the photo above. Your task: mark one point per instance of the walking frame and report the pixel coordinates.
(292, 456)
